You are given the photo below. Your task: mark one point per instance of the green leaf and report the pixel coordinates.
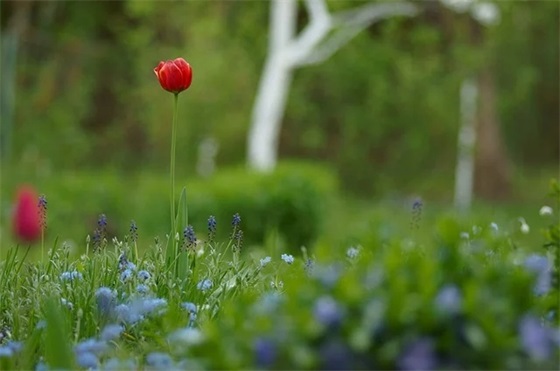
(58, 352)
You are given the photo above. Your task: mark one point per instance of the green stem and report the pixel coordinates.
(172, 172)
(42, 244)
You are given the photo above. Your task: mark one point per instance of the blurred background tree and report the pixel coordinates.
(383, 111)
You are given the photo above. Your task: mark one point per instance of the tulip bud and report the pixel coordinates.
(27, 216)
(174, 75)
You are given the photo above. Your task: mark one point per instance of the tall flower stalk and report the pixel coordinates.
(173, 76)
(172, 172)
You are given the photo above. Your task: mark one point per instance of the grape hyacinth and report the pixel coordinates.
(43, 211)
(211, 228)
(100, 234)
(238, 241)
(133, 231)
(235, 224)
(416, 213)
(189, 237)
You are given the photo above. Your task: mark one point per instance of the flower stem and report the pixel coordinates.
(172, 172)
(42, 244)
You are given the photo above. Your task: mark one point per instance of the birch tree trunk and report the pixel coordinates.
(288, 51)
(464, 171)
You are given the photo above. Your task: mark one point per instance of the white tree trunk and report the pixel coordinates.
(287, 52)
(464, 170)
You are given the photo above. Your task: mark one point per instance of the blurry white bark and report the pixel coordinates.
(464, 170)
(206, 159)
(322, 37)
(486, 13)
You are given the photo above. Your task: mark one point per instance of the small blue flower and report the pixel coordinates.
(535, 339)
(420, 355)
(189, 307)
(91, 345)
(105, 298)
(265, 352)
(352, 252)
(158, 360)
(6, 352)
(70, 276)
(287, 258)
(328, 275)
(268, 303)
(149, 306)
(205, 285)
(264, 261)
(335, 355)
(111, 332)
(186, 336)
(125, 314)
(115, 364)
(41, 366)
(327, 311)
(87, 360)
(449, 299)
(126, 275)
(541, 267)
(144, 275)
(142, 289)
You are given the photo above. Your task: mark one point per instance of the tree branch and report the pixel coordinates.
(349, 23)
(373, 12)
(318, 27)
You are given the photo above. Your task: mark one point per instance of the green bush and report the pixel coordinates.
(292, 201)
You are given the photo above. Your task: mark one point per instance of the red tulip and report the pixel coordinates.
(26, 217)
(174, 76)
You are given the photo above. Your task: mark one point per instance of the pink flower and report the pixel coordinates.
(26, 218)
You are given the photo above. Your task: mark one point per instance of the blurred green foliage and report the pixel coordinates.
(290, 204)
(383, 111)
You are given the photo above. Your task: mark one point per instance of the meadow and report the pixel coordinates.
(296, 207)
(400, 284)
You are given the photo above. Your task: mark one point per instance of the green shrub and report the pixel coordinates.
(292, 200)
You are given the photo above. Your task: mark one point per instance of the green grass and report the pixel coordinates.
(436, 289)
